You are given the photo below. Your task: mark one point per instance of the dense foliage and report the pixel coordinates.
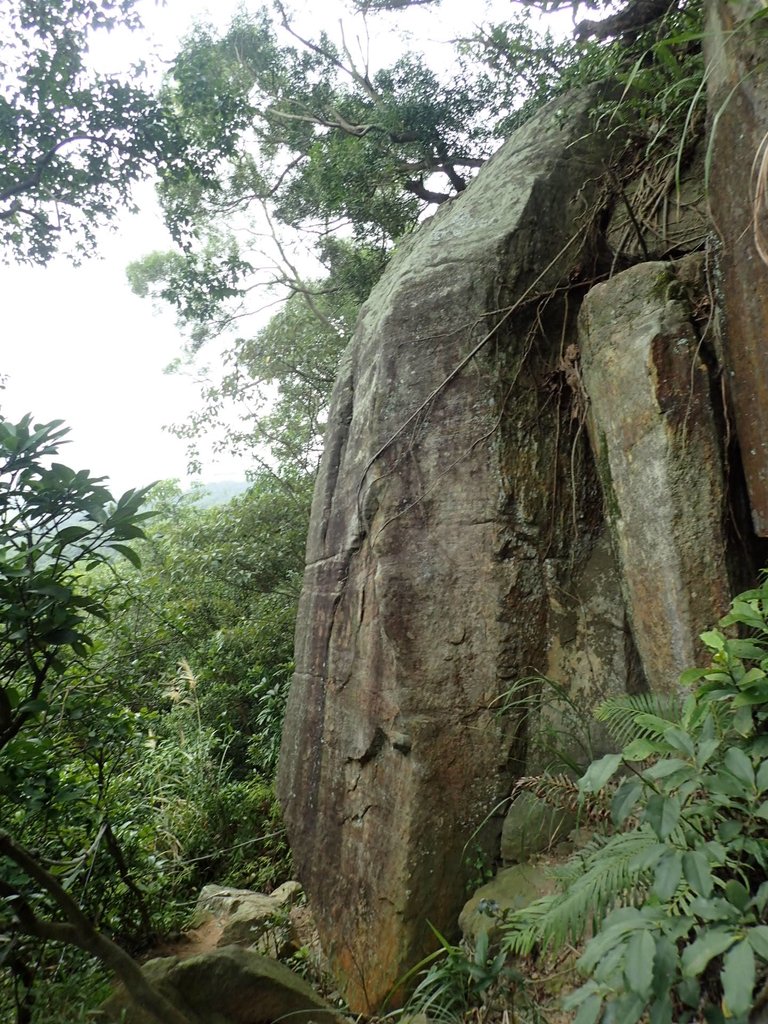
(140, 705)
(144, 655)
(73, 141)
(676, 891)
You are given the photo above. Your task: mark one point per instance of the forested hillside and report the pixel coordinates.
(489, 557)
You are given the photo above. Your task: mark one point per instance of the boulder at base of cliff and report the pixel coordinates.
(252, 918)
(230, 985)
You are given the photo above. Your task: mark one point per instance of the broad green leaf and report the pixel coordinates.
(667, 766)
(599, 772)
(653, 724)
(662, 813)
(705, 751)
(713, 639)
(665, 966)
(128, 553)
(742, 721)
(737, 893)
(691, 676)
(747, 649)
(640, 749)
(697, 872)
(761, 899)
(667, 876)
(589, 1010)
(740, 766)
(638, 963)
(758, 940)
(679, 740)
(711, 943)
(738, 979)
(761, 779)
(624, 800)
(661, 1011)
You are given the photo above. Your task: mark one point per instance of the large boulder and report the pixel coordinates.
(454, 519)
(735, 48)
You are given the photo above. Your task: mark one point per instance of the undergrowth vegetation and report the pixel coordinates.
(667, 902)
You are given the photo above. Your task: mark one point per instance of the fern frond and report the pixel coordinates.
(638, 715)
(604, 876)
(561, 791)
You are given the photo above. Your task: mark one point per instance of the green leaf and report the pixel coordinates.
(589, 1010)
(638, 963)
(738, 979)
(737, 893)
(128, 553)
(661, 1011)
(640, 749)
(739, 765)
(697, 955)
(624, 800)
(599, 772)
(745, 649)
(713, 639)
(679, 740)
(662, 813)
(758, 940)
(705, 751)
(665, 966)
(697, 872)
(667, 876)
(691, 676)
(761, 780)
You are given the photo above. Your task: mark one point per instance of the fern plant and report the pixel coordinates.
(676, 897)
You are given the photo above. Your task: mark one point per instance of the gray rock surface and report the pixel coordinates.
(252, 918)
(448, 528)
(660, 456)
(735, 48)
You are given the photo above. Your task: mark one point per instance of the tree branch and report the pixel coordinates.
(637, 15)
(418, 189)
(34, 179)
(80, 932)
(362, 80)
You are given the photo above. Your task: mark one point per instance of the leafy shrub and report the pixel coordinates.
(677, 895)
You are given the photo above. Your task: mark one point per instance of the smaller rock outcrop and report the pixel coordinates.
(511, 889)
(659, 454)
(250, 918)
(230, 985)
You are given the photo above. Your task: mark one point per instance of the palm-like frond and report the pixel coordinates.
(593, 882)
(639, 715)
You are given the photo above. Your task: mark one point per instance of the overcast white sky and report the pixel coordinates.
(78, 346)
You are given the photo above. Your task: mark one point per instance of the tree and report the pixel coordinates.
(74, 142)
(54, 523)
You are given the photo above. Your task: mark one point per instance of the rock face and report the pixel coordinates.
(505, 494)
(444, 534)
(739, 99)
(660, 457)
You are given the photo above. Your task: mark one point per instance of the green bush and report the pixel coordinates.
(676, 895)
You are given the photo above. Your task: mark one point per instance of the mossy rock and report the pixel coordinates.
(512, 889)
